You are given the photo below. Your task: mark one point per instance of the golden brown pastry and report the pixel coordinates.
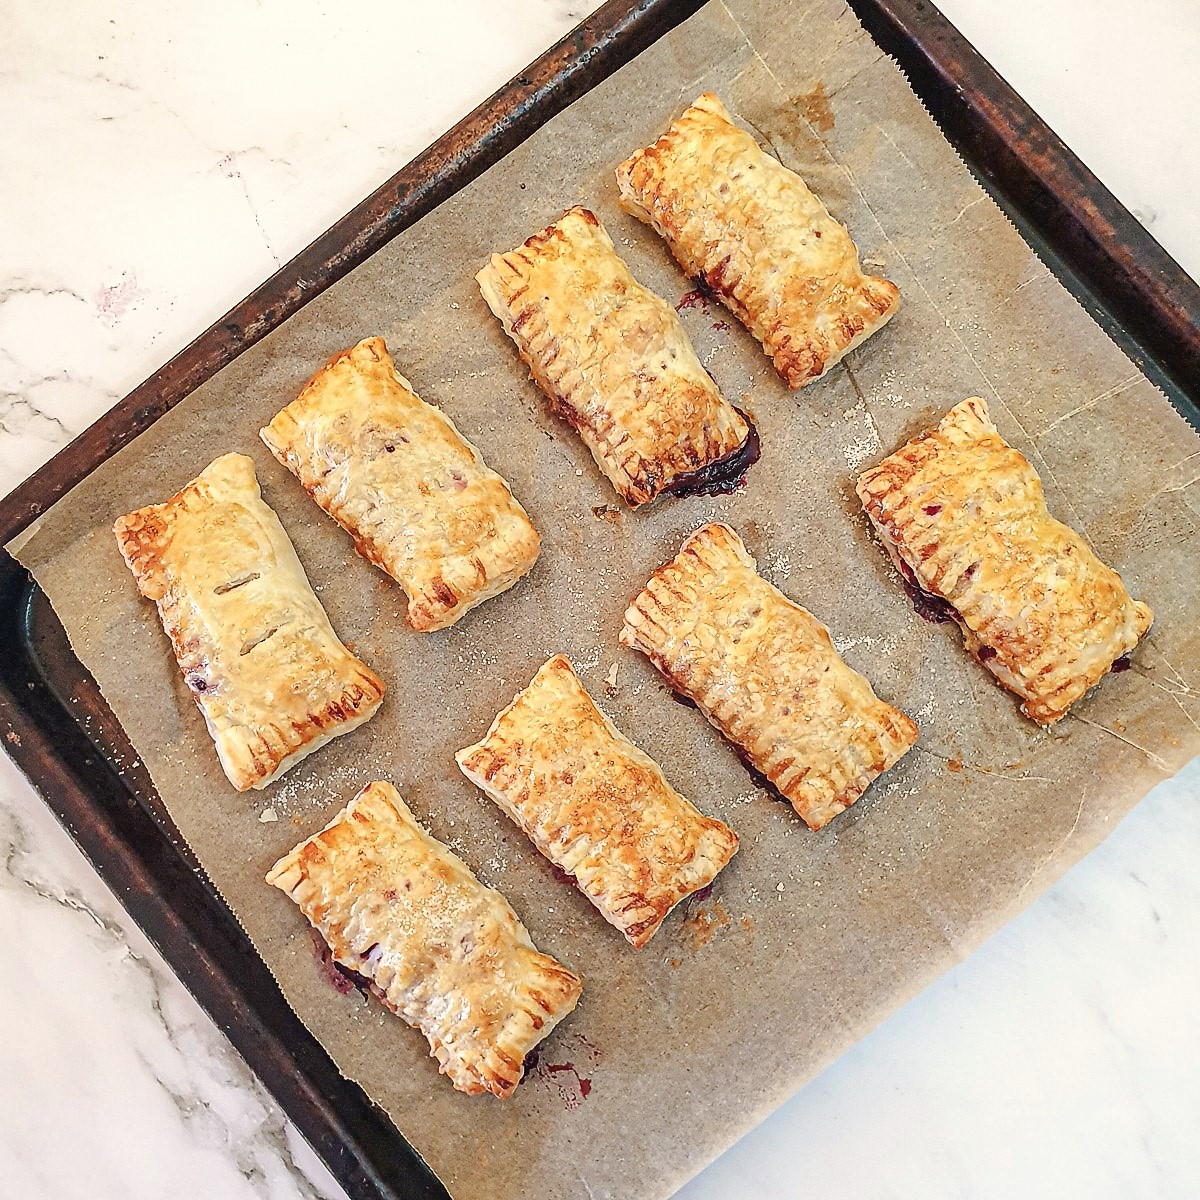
(253, 642)
(441, 951)
(749, 229)
(615, 363)
(765, 673)
(963, 517)
(414, 494)
(595, 805)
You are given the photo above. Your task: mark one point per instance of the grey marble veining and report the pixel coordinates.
(160, 161)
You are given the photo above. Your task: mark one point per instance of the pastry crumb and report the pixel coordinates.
(268, 815)
(744, 798)
(779, 565)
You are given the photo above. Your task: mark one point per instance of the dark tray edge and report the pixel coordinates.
(184, 918)
(615, 33)
(1137, 292)
(1131, 286)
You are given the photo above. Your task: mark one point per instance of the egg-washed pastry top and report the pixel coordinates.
(414, 494)
(440, 950)
(750, 230)
(614, 361)
(963, 517)
(595, 805)
(764, 671)
(252, 640)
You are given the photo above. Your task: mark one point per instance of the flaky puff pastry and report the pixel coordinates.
(595, 805)
(750, 230)
(252, 640)
(764, 671)
(441, 951)
(613, 359)
(397, 475)
(963, 517)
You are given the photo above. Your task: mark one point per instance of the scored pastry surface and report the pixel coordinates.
(764, 671)
(963, 517)
(595, 805)
(752, 232)
(441, 951)
(254, 644)
(613, 359)
(396, 474)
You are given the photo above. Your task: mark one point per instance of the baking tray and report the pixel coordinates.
(60, 732)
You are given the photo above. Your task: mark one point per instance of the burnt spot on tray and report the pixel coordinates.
(814, 107)
(703, 923)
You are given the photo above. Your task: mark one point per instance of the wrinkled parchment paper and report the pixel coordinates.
(809, 940)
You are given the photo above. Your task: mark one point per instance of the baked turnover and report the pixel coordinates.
(595, 805)
(963, 517)
(616, 363)
(440, 950)
(750, 230)
(252, 640)
(764, 671)
(397, 475)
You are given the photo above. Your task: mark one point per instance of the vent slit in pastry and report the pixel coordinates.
(300, 687)
(764, 671)
(595, 805)
(397, 475)
(616, 364)
(234, 584)
(258, 640)
(750, 231)
(441, 951)
(963, 517)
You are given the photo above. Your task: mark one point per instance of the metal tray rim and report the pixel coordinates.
(1120, 273)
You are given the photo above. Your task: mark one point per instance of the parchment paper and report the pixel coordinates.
(808, 940)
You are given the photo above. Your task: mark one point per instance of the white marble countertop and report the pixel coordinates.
(162, 159)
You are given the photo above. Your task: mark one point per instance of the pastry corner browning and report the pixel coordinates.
(750, 230)
(963, 517)
(256, 649)
(614, 361)
(764, 671)
(595, 805)
(396, 474)
(442, 951)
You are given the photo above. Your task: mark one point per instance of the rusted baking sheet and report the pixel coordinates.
(63, 736)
